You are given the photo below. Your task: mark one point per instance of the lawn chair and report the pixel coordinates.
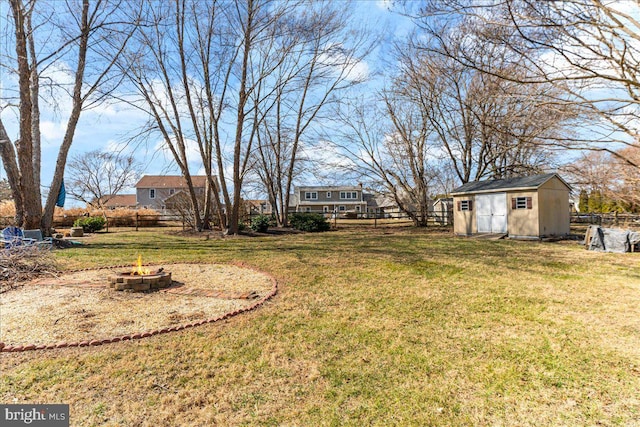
(36, 236)
(13, 237)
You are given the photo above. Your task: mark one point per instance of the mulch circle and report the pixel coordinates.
(140, 335)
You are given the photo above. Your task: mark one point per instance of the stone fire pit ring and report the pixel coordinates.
(75, 287)
(127, 281)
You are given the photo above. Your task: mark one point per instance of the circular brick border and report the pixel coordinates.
(140, 335)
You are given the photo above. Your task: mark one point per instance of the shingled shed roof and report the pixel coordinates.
(521, 183)
(170, 181)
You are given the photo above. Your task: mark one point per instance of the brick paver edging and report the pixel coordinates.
(139, 335)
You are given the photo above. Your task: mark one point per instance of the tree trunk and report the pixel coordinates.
(8, 156)
(46, 220)
(32, 206)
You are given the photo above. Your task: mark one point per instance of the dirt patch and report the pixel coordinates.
(80, 306)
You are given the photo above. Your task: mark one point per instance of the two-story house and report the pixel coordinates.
(153, 191)
(329, 199)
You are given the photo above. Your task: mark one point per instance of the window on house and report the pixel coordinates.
(308, 209)
(465, 205)
(358, 208)
(325, 209)
(521, 203)
(171, 191)
(328, 194)
(152, 193)
(348, 195)
(311, 195)
(342, 208)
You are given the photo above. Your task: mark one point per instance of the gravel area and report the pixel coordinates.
(79, 306)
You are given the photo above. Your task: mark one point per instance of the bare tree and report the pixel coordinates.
(79, 37)
(608, 176)
(440, 115)
(589, 50)
(324, 54)
(197, 65)
(211, 74)
(96, 176)
(486, 127)
(392, 155)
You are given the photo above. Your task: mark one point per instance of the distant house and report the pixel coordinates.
(258, 207)
(119, 201)
(155, 191)
(525, 207)
(329, 199)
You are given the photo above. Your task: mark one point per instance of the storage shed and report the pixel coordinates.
(525, 207)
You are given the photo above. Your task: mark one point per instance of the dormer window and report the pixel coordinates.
(152, 193)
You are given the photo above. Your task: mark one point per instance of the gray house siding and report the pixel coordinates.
(152, 191)
(330, 199)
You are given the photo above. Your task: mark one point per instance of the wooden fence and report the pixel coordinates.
(607, 219)
(138, 221)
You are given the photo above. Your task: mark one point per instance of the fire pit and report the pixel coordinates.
(140, 279)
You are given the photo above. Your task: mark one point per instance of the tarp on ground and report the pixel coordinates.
(611, 239)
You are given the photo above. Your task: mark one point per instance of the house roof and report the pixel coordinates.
(120, 200)
(519, 183)
(329, 188)
(170, 181)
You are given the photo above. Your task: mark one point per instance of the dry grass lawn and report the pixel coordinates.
(370, 327)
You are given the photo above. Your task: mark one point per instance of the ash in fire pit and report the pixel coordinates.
(140, 279)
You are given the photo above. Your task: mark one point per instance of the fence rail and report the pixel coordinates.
(125, 221)
(617, 219)
(350, 219)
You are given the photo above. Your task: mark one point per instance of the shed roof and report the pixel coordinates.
(520, 183)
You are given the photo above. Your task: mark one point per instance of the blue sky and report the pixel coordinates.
(109, 125)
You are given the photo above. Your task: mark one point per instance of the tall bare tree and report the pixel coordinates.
(196, 65)
(79, 38)
(487, 127)
(213, 75)
(589, 50)
(325, 53)
(391, 151)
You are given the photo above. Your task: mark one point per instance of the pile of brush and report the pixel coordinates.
(21, 264)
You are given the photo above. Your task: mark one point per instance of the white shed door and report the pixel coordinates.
(491, 211)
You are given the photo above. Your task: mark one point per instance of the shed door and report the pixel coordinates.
(491, 211)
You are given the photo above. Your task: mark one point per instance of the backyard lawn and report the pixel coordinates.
(386, 326)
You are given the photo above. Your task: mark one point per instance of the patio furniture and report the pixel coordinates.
(13, 237)
(36, 236)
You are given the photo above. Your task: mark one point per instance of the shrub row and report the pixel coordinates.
(309, 222)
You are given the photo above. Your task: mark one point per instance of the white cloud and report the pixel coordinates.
(52, 132)
(384, 4)
(340, 59)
